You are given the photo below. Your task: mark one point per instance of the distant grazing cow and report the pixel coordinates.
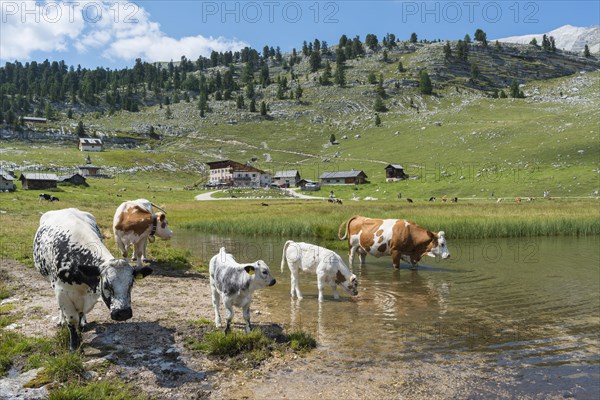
(326, 264)
(455, 199)
(432, 199)
(68, 251)
(396, 237)
(409, 200)
(335, 201)
(47, 197)
(499, 200)
(234, 284)
(135, 223)
(517, 199)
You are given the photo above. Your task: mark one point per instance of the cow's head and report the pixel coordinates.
(116, 279)
(438, 246)
(261, 275)
(162, 226)
(350, 284)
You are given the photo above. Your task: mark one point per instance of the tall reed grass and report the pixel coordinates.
(466, 221)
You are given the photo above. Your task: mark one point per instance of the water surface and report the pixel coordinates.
(524, 308)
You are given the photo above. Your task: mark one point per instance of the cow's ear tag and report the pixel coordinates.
(249, 269)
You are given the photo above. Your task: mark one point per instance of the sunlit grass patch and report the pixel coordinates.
(301, 341)
(102, 390)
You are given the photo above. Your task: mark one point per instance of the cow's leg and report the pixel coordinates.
(295, 287)
(228, 303)
(246, 310)
(122, 246)
(351, 254)
(138, 251)
(335, 293)
(70, 315)
(144, 244)
(216, 302)
(74, 338)
(396, 258)
(320, 285)
(362, 255)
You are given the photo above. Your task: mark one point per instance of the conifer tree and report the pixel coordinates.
(425, 85)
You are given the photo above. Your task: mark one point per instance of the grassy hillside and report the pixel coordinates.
(457, 142)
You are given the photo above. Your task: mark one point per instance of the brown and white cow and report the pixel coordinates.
(135, 223)
(398, 238)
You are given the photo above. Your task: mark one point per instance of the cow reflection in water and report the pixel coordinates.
(387, 305)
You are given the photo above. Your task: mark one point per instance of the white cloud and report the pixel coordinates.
(26, 27)
(114, 29)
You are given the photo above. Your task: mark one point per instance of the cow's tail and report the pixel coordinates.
(285, 246)
(345, 225)
(161, 209)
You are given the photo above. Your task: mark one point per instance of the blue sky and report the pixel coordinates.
(114, 33)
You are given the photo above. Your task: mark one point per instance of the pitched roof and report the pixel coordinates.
(395, 166)
(92, 141)
(67, 177)
(342, 174)
(286, 174)
(36, 176)
(234, 165)
(6, 175)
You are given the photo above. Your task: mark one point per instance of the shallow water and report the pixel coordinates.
(527, 307)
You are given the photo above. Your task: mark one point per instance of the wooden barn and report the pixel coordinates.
(74, 179)
(354, 177)
(6, 181)
(395, 172)
(38, 181)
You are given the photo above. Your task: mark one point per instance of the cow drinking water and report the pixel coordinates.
(68, 251)
(398, 238)
(326, 264)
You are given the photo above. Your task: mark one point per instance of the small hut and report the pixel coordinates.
(38, 181)
(395, 172)
(354, 177)
(73, 179)
(6, 181)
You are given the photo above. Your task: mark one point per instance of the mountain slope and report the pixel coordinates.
(567, 37)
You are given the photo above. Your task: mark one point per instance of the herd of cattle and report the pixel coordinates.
(69, 252)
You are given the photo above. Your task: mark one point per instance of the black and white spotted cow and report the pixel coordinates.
(234, 283)
(47, 197)
(68, 251)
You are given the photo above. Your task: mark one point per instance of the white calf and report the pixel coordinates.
(328, 266)
(234, 284)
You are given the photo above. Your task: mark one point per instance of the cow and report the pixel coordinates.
(135, 224)
(68, 251)
(47, 197)
(396, 237)
(326, 264)
(234, 283)
(409, 200)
